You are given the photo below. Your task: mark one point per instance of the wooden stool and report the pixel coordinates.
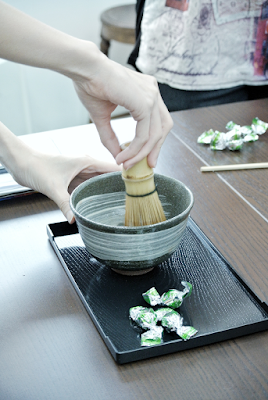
(118, 23)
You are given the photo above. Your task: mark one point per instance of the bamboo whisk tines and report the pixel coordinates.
(143, 206)
(143, 210)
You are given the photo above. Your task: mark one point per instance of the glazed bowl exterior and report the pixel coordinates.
(99, 206)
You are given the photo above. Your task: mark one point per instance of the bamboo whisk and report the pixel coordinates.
(143, 206)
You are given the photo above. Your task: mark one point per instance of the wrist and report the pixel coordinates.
(82, 60)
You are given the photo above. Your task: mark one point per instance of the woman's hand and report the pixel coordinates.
(110, 84)
(101, 83)
(57, 176)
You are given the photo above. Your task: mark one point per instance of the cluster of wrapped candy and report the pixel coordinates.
(235, 136)
(171, 320)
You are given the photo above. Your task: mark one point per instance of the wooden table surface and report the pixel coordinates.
(50, 348)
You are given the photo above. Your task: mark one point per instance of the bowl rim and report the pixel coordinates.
(130, 229)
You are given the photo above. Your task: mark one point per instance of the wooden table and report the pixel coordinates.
(49, 347)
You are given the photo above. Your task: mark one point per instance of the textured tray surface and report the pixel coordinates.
(220, 306)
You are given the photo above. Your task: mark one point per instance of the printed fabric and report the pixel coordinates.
(205, 44)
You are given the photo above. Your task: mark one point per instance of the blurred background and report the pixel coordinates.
(35, 100)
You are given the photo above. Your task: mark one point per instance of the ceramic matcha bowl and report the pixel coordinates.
(99, 208)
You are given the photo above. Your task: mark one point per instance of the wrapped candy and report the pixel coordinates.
(218, 141)
(231, 125)
(173, 298)
(259, 127)
(161, 312)
(206, 137)
(235, 136)
(173, 322)
(152, 297)
(246, 130)
(148, 319)
(143, 316)
(235, 144)
(153, 336)
(251, 137)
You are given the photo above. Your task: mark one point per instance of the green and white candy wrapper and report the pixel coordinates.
(235, 144)
(147, 318)
(173, 298)
(161, 312)
(246, 130)
(143, 316)
(235, 136)
(231, 125)
(173, 322)
(218, 141)
(259, 127)
(153, 336)
(206, 137)
(152, 297)
(250, 137)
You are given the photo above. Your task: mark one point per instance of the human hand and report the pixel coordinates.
(57, 176)
(100, 83)
(111, 84)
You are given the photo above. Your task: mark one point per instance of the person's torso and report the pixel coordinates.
(205, 44)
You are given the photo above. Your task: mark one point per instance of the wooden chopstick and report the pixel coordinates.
(230, 167)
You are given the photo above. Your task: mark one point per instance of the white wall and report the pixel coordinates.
(34, 100)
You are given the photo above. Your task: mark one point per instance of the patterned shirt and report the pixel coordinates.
(205, 44)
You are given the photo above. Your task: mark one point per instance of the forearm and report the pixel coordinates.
(28, 41)
(101, 84)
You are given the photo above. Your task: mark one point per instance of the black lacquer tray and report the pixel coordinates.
(220, 307)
